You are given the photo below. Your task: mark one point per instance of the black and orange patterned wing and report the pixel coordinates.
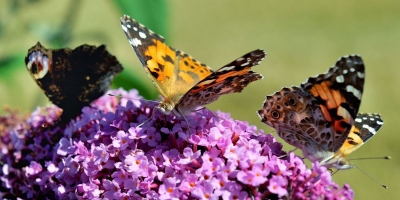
(338, 94)
(366, 125)
(172, 71)
(231, 78)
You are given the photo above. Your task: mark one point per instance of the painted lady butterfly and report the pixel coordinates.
(185, 83)
(321, 116)
(72, 79)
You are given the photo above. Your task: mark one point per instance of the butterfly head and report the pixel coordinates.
(338, 161)
(166, 107)
(37, 62)
(343, 163)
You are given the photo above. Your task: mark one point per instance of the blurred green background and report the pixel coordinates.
(301, 39)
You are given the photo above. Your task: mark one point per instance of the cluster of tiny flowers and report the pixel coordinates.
(105, 154)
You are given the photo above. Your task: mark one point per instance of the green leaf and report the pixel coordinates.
(153, 14)
(9, 65)
(128, 79)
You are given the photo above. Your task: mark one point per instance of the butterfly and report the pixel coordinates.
(321, 116)
(72, 79)
(185, 83)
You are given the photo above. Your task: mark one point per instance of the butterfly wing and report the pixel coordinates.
(296, 117)
(231, 78)
(366, 125)
(317, 116)
(172, 71)
(72, 79)
(338, 94)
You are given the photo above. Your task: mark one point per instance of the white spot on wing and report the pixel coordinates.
(343, 112)
(370, 129)
(135, 42)
(227, 68)
(353, 90)
(340, 79)
(142, 35)
(360, 75)
(124, 28)
(245, 64)
(358, 120)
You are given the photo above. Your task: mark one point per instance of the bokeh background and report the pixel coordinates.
(302, 39)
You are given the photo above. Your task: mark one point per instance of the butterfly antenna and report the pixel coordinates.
(384, 186)
(282, 156)
(120, 96)
(373, 158)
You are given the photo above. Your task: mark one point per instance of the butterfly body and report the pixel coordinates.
(321, 116)
(185, 83)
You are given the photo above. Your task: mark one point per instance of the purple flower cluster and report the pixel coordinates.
(103, 154)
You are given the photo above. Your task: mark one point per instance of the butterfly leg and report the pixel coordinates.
(187, 123)
(332, 172)
(151, 117)
(282, 156)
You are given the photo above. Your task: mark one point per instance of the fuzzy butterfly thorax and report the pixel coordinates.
(321, 116)
(167, 106)
(185, 83)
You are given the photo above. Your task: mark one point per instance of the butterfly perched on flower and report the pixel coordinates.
(321, 116)
(72, 78)
(185, 83)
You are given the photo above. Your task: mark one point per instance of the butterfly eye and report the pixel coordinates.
(275, 114)
(292, 102)
(342, 162)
